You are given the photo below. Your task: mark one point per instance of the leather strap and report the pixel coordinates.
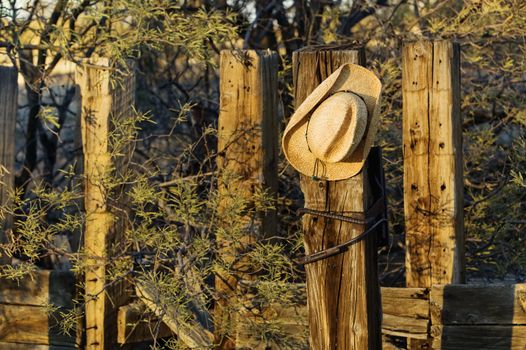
(375, 213)
(337, 249)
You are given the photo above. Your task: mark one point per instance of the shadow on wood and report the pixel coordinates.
(25, 320)
(478, 317)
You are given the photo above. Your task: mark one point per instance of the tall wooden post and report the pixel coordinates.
(105, 100)
(433, 186)
(343, 292)
(248, 154)
(8, 106)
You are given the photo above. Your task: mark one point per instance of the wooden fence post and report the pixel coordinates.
(8, 107)
(343, 293)
(433, 186)
(248, 153)
(105, 100)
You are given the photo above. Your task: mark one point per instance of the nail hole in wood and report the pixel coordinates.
(441, 145)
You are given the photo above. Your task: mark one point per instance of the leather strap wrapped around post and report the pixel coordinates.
(373, 218)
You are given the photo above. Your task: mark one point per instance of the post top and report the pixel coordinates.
(354, 45)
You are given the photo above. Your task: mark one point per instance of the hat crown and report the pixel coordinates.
(307, 132)
(336, 127)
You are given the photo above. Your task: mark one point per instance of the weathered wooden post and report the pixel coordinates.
(8, 106)
(433, 185)
(248, 153)
(343, 292)
(106, 99)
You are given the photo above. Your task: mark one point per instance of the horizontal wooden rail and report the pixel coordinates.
(478, 304)
(46, 286)
(25, 320)
(32, 325)
(455, 316)
(405, 314)
(478, 317)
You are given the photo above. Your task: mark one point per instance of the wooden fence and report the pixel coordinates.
(434, 311)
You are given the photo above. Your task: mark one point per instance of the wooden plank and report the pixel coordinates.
(32, 325)
(8, 108)
(402, 326)
(135, 325)
(106, 100)
(405, 312)
(248, 155)
(40, 288)
(191, 332)
(479, 337)
(342, 291)
(412, 302)
(388, 344)
(478, 304)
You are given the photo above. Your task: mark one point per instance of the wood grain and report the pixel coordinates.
(247, 161)
(106, 101)
(8, 108)
(405, 312)
(433, 192)
(445, 167)
(342, 291)
(32, 325)
(478, 304)
(416, 74)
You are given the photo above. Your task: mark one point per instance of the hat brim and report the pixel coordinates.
(349, 77)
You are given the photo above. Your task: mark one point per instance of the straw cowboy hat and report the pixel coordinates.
(330, 134)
